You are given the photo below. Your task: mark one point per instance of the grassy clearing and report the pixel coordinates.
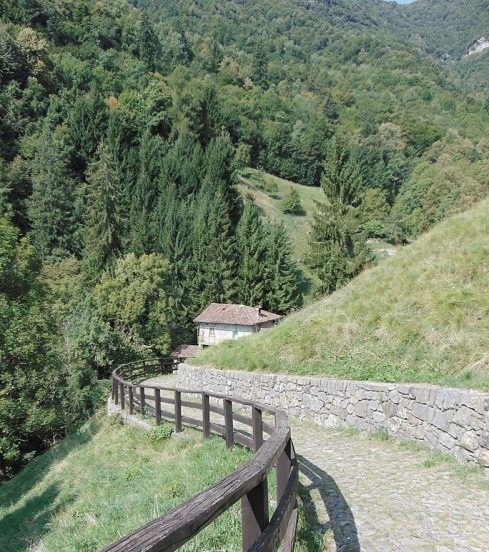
(422, 316)
(106, 481)
(268, 192)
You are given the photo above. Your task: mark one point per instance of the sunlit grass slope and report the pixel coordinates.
(268, 192)
(107, 480)
(422, 316)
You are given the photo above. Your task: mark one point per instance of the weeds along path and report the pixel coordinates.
(362, 493)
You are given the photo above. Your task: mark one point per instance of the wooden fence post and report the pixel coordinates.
(131, 399)
(257, 425)
(116, 391)
(254, 514)
(284, 465)
(158, 406)
(206, 415)
(228, 422)
(178, 411)
(254, 506)
(122, 395)
(142, 400)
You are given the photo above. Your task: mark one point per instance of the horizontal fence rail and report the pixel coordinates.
(272, 446)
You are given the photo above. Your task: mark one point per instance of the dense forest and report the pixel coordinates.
(123, 129)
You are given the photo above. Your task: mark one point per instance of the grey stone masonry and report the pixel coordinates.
(455, 421)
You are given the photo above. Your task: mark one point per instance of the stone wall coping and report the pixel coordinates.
(402, 387)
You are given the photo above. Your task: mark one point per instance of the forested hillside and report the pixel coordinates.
(123, 129)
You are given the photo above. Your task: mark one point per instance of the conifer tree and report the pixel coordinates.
(51, 207)
(260, 66)
(282, 283)
(221, 254)
(150, 50)
(87, 123)
(182, 165)
(145, 193)
(338, 251)
(291, 204)
(252, 254)
(220, 174)
(103, 222)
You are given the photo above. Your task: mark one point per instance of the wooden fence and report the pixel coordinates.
(272, 446)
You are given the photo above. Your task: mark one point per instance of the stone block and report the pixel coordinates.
(422, 412)
(441, 419)
(424, 395)
(482, 457)
(463, 416)
(469, 441)
(390, 409)
(394, 396)
(484, 439)
(446, 441)
(359, 394)
(454, 430)
(361, 409)
(378, 417)
(451, 398)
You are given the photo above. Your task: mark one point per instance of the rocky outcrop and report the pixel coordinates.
(478, 46)
(451, 420)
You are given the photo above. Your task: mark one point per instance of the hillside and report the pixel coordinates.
(80, 495)
(268, 192)
(123, 125)
(422, 316)
(446, 29)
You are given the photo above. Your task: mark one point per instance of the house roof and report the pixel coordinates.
(242, 315)
(185, 351)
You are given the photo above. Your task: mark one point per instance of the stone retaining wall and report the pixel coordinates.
(451, 420)
(128, 419)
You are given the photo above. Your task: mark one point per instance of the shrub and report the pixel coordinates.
(161, 433)
(291, 203)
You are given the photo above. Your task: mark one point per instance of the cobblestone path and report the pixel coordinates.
(363, 494)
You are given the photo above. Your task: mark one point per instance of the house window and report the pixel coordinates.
(235, 333)
(211, 332)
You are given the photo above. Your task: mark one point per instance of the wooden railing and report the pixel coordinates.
(272, 446)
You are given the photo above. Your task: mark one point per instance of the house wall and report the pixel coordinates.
(210, 334)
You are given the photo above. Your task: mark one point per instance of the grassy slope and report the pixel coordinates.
(422, 316)
(258, 184)
(298, 227)
(108, 480)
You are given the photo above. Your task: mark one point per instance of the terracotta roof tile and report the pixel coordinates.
(186, 351)
(242, 315)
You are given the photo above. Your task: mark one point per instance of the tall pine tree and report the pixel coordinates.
(282, 281)
(51, 207)
(252, 255)
(145, 194)
(338, 251)
(103, 222)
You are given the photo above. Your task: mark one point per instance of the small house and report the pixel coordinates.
(221, 321)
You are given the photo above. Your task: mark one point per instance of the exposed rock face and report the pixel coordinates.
(478, 46)
(451, 420)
